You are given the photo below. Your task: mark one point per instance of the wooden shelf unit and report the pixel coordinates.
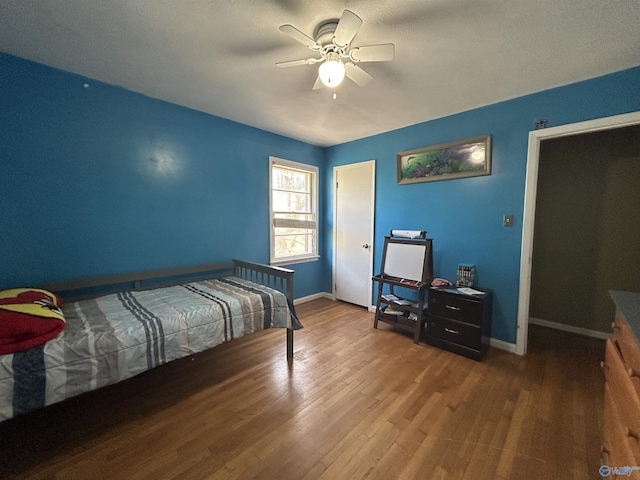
(417, 307)
(406, 263)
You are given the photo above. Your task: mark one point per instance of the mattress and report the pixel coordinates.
(115, 337)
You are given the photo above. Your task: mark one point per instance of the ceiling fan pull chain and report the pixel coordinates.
(334, 93)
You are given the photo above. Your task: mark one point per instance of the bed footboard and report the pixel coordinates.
(278, 278)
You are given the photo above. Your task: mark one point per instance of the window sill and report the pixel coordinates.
(293, 260)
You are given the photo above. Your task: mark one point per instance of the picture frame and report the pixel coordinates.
(470, 157)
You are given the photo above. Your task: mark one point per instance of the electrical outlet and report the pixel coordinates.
(507, 220)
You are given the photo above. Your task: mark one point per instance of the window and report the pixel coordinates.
(293, 211)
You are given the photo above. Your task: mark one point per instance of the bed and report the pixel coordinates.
(138, 322)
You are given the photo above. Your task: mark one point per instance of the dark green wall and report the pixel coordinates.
(587, 227)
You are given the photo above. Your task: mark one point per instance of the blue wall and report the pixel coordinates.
(100, 180)
(464, 216)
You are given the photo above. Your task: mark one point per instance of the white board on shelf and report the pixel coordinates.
(404, 260)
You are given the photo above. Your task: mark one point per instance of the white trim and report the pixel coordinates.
(494, 342)
(531, 186)
(294, 260)
(315, 198)
(569, 328)
(315, 296)
(502, 345)
(335, 213)
(294, 223)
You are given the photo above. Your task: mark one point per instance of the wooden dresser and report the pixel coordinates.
(621, 438)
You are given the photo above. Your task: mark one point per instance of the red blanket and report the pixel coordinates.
(28, 317)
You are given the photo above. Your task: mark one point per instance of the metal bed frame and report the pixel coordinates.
(278, 278)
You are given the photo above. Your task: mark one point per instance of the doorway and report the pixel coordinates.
(354, 195)
(531, 184)
(586, 239)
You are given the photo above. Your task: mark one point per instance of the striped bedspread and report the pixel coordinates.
(114, 337)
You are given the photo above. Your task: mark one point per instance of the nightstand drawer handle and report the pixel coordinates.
(448, 330)
(451, 307)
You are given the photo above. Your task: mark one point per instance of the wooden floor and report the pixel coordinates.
(355, 403)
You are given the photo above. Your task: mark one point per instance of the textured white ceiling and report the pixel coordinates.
(219, 56)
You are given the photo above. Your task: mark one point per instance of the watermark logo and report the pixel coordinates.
(606, 470)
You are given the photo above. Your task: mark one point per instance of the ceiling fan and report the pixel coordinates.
(332, 41)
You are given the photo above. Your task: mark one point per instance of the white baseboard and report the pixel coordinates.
(569, 328)
(502, 345)
(494, 342)
(315, 296)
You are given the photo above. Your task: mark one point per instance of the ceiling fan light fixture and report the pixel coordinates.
(337, 57)
(331, 70)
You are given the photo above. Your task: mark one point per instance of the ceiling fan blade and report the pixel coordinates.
(358, 75)
(347, 28)
(296, 34)
(295, 63)
(318, 85)
(373, 53)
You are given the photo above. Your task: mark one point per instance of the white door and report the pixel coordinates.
(353, 209)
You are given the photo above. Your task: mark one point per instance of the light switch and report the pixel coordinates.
(507, 220)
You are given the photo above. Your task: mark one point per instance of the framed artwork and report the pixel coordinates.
(460, 159)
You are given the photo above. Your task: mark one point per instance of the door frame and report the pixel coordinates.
(336, 169)
(530, 192)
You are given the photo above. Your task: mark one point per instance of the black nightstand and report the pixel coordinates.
(458, 322)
